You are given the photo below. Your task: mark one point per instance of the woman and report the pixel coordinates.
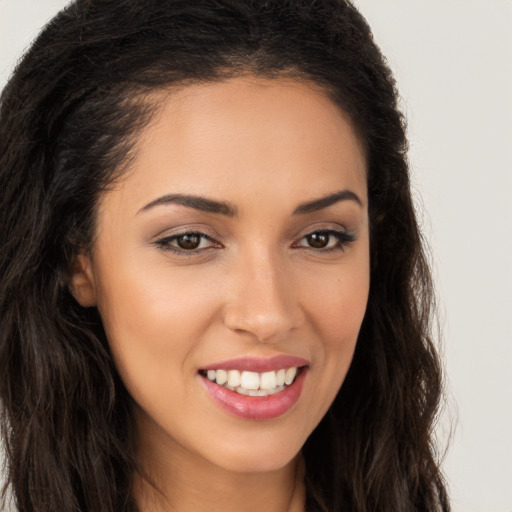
(214, 293)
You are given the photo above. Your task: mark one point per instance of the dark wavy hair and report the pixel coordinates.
(69, 119)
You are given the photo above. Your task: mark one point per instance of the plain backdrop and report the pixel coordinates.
(453, 64)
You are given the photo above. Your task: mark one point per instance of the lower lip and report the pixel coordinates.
(256, 407)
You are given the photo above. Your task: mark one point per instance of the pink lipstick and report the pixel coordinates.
(259, 364)
(255, 388)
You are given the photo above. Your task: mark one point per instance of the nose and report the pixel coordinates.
(263, 299)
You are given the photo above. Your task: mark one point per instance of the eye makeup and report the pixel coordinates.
(192, 241)
(326, 240)
(187, 242)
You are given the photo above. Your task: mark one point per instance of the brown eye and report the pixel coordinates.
(188, 241)
(325, 240)
(318, 240)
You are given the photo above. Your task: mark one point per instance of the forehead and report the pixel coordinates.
(246, 135)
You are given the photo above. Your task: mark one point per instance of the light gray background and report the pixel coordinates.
(453, 63)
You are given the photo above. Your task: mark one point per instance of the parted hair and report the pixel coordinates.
(69, 119)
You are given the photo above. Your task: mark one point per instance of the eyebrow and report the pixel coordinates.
(225, 208)
(196, 202)
(325, 202)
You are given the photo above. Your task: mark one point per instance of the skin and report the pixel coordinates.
(255, 287)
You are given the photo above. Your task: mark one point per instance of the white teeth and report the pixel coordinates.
(277, 390)
(290, 375)
(221, 376)
(253, 383)
(268, 380)
(234, 378)
(250, 380)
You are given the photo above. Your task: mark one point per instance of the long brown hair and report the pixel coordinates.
(69, 117)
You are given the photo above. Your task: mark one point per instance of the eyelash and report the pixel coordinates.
(343, 239)
(165, 243)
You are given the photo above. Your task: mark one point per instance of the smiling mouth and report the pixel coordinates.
(253, 383)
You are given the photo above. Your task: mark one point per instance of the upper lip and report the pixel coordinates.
(259, 364)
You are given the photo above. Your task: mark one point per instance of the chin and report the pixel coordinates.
(258, 463)
(257, 456)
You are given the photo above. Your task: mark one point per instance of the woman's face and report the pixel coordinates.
(236, 247)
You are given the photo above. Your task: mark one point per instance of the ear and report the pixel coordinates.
(81, 283)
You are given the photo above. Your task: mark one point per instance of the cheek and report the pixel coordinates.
(337, 308)
(347, 308)
(153, 319)
(337, 300)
